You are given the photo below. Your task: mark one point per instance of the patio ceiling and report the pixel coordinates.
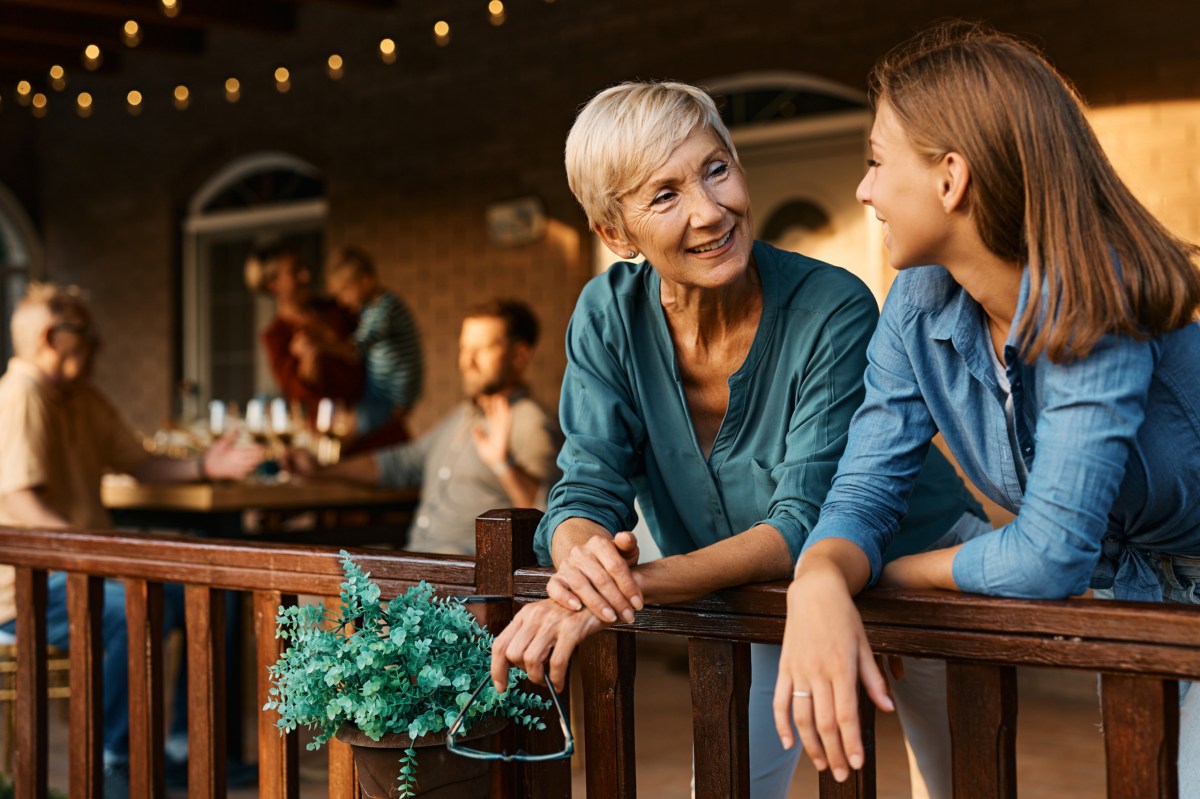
(36, 35)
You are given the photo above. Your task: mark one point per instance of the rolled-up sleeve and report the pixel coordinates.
(887, 444)
(603, 431)
(830, 391)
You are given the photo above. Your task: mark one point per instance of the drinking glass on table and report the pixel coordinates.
(329, 423)
(281, 421)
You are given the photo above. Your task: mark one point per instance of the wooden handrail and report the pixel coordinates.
(1140, 649)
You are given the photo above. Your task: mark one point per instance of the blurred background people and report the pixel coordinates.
(495, 449)
(306, 343)
(61, 434)
(386, 341)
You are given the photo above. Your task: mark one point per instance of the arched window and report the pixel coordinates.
(264, 197)
(20, 262)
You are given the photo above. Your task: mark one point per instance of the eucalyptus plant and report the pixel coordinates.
(404, 666)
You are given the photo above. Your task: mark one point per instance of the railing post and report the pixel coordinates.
(144, 627)
(503, 544)
(205, 611)
(85, 609)
(1141, 736)
(278, 754)
(608, 662)
(982, 702)
(31, 772)
(720, 676)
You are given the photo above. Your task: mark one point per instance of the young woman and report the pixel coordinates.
(1044, 322)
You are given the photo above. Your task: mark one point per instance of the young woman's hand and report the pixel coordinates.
(825, 654)
(540, 631)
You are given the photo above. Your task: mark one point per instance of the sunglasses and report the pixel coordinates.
(520, 755)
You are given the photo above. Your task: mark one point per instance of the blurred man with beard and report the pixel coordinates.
(497, 448)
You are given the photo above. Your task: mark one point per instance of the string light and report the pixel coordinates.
(387, 51)
(182, 96)
(334, 66)
(171, 8)
(24, 92)
(58, 78)
(496, 10)
(441, 33)
(83, 105)
(39, 105)
(233, 90)
(134, 101)
(92, 57)
(283, 80)
(131, 33)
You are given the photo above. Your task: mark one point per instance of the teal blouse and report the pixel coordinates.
(629, 433)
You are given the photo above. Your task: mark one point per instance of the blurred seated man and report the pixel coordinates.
(61, 434)
(386, 341)
(496, 449)
(307, 340)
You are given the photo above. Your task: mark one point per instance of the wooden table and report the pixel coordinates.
(361, 514)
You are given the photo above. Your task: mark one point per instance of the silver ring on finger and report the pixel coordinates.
(802, 694)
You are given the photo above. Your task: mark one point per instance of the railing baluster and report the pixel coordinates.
(982, 701)
(343, 780)
(205, 609)
(85, 606)
(860, 784)
(720, 676)
(144, 625)
(278, 755)
(608, 661)
(31, 773)
(1141, 736)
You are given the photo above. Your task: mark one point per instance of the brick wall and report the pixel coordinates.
(414, 152)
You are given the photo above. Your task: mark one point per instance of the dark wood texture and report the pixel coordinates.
(861, 783)
(982, 701)
(85, 606)
(144, 621)
(1141, 735)
(278, 754)
(720, 677)
(608, 662)
(205, 609)
(30, 772)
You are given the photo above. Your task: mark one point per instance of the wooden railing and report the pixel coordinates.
(1141, 650)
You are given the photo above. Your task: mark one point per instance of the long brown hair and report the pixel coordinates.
(1042, 191)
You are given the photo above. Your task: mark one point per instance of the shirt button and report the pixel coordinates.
(444, 473)
(423, 521)
(1028, 450)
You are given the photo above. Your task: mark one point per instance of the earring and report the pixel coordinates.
(631, 254)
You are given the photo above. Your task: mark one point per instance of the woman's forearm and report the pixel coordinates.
(924, 570)
(757, 555)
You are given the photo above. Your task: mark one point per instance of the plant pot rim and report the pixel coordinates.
(349, 733)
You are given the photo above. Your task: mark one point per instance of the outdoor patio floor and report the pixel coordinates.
(1059, 748)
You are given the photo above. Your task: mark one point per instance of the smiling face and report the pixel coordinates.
(691, 217)
(902, 187)
(291, 281)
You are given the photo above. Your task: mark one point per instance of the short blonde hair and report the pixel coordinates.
(626, 132)
(43, 306)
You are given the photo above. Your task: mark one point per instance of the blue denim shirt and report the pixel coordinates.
(1101, 464)
(629, 432)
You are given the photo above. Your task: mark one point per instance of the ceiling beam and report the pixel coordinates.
(261, 15)
(56, 29)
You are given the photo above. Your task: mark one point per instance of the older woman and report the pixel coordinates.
(715, 382)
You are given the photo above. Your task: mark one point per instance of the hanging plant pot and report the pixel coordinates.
(440, 773)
